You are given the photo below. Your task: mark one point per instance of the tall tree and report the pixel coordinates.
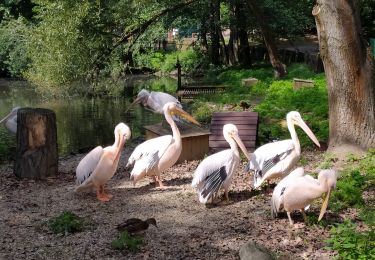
(215, 32)
(238, 45)
(349, 69)
(278, 66)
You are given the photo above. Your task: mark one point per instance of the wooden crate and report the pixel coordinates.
(194, 140)
(247, 125)
(302, 83)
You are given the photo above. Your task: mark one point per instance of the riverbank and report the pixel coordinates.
(186, 229)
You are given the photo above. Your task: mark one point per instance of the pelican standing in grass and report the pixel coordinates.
(10, 120)
(154, 100)
(216, 171)
(297, 191)
(154, 156)
(276, 159)
(99, 165)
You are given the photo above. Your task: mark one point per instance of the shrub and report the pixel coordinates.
(125, 241)
(13, 41)
(66, 222)
(351, 244)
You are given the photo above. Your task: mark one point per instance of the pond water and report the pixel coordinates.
(82, 123)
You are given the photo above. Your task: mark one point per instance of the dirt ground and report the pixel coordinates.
(186, 228)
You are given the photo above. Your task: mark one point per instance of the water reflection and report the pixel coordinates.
(82, 123)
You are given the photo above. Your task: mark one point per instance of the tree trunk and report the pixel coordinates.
(214, 32)
(244, 49)
(278, 66)
(233, 43)
(349, 69)
(36, 154)
(224, 50)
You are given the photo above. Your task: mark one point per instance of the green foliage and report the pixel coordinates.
(203, 111)
(125, 241)
(14, 59)
(166, 62)
(280, 98)
(353, 181)
(66, 222)
(348, 191)
(350, 243)
(273, 99)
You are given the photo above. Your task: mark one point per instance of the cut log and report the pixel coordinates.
(36, 152)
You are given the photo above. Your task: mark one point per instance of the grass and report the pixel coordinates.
(272, 99)
(346, 238)
(125, 241)
(66, 222)
(351, 244)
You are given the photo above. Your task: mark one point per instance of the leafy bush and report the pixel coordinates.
(66, 222)
(348, 191)
(354, 180)
(14, 58)
(166, 62)
(351, 244)
(125, 241)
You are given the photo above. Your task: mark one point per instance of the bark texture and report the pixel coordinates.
(36, 154)
(349, 69)
(279, 68)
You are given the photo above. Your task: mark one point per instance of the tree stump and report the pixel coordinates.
(36, 152)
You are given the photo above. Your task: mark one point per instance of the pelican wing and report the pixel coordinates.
(268, 155)
(276, 200)
(149, 152)
(88, 164)
(157, 100)
(211, 174)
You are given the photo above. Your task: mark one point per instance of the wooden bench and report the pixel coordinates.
(189, 92)
(247, 125)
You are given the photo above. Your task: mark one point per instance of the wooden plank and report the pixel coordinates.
(247, 125)
(239, 121)
(242, 114)
(243, 138)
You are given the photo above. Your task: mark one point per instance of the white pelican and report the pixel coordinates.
(99, 165)
(216, 171)
(154, 100)
(158, 154)
(10, 120)
(276, 159)
(297, 191)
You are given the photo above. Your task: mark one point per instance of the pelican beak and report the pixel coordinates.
(325, 204)
(241, 145)
(6, 117)
(307, 130)
(187, 116)
(137, 100)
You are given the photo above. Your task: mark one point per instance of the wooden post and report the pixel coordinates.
(178, 66)
(36, 154)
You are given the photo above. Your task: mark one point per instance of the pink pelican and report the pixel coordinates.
(297, 191)
(99, 165)
(216, 171)
(10, 120)
(276, 159)
(154, 156)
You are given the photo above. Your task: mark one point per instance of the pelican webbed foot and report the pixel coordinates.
(102, 195)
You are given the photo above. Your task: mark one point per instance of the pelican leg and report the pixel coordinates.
(304, 215)
(226, 191)
(101, 195)
(290, 219)
(161, 185)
